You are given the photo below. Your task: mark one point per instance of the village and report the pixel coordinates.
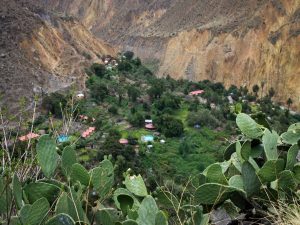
(151, 123)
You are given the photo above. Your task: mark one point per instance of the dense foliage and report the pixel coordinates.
(188, 169)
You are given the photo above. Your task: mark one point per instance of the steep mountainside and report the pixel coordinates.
(241, 42)
(41, 51)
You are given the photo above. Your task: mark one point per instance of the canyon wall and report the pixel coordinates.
(42, 52)
(240, 42)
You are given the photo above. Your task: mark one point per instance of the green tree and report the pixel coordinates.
(137, 119)
(99, 91)
(169, 126)
(133, 93)
(157, 89)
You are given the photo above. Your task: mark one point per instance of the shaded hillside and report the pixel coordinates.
(236, 42)
(42, 52)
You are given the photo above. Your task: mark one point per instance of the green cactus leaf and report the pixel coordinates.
(296, 171)
(103, 178)
(238, 149)
(5, 196)
(292, 136)
(229, 151)
(270, 140)
(246, 150)
(79, 173)
(34, 214)
(198, 215)
(292, 157)
(212, 193)
(61, 219)
(68, 159)
(214, 174)
(257, 151)
(15, 221)
(237, 182)
(254, 164)
(35, 191)
(129, 222)
(250, 179)
(123, 191)
(132, 214)
(270, 170)
(47, 155)
(126, 203)
(167, 200)
(205, 219)
(25, 213)
(136, 185)
(161, 218)
(236, 162)
(295, 126)
(147, 211)
(70, 204)
(17, 191)
(248, 126)
(103, 217)
(286, 181)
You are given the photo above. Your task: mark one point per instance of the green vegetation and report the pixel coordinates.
(220, 150)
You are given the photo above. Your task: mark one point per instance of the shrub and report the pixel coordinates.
(99, 91)
(137, 119)
(203, 117)
(169, 126)
(113, 110)
(98, 69)
(54, 103)
(129, 55)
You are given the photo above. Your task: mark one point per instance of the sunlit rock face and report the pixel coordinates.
(241, 42)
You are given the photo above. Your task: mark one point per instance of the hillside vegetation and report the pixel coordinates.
(228, 152)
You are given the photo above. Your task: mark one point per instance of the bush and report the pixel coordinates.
(169, 126)
(203, 118)
(133, 93)
(99, 91)
(129, 55)
(137, 119)
(113, 110)
(124, 66)
(98, 69)
(54, 103)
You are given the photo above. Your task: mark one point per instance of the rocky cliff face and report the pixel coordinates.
(42, 51)
(241, 42)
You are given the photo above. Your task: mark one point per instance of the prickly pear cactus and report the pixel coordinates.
(47, 155)
(103, 178)
(136, 185)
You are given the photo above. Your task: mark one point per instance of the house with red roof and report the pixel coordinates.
(197, 92)
(28, 136)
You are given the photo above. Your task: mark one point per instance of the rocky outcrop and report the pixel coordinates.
(241, 42)
(42, 51)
